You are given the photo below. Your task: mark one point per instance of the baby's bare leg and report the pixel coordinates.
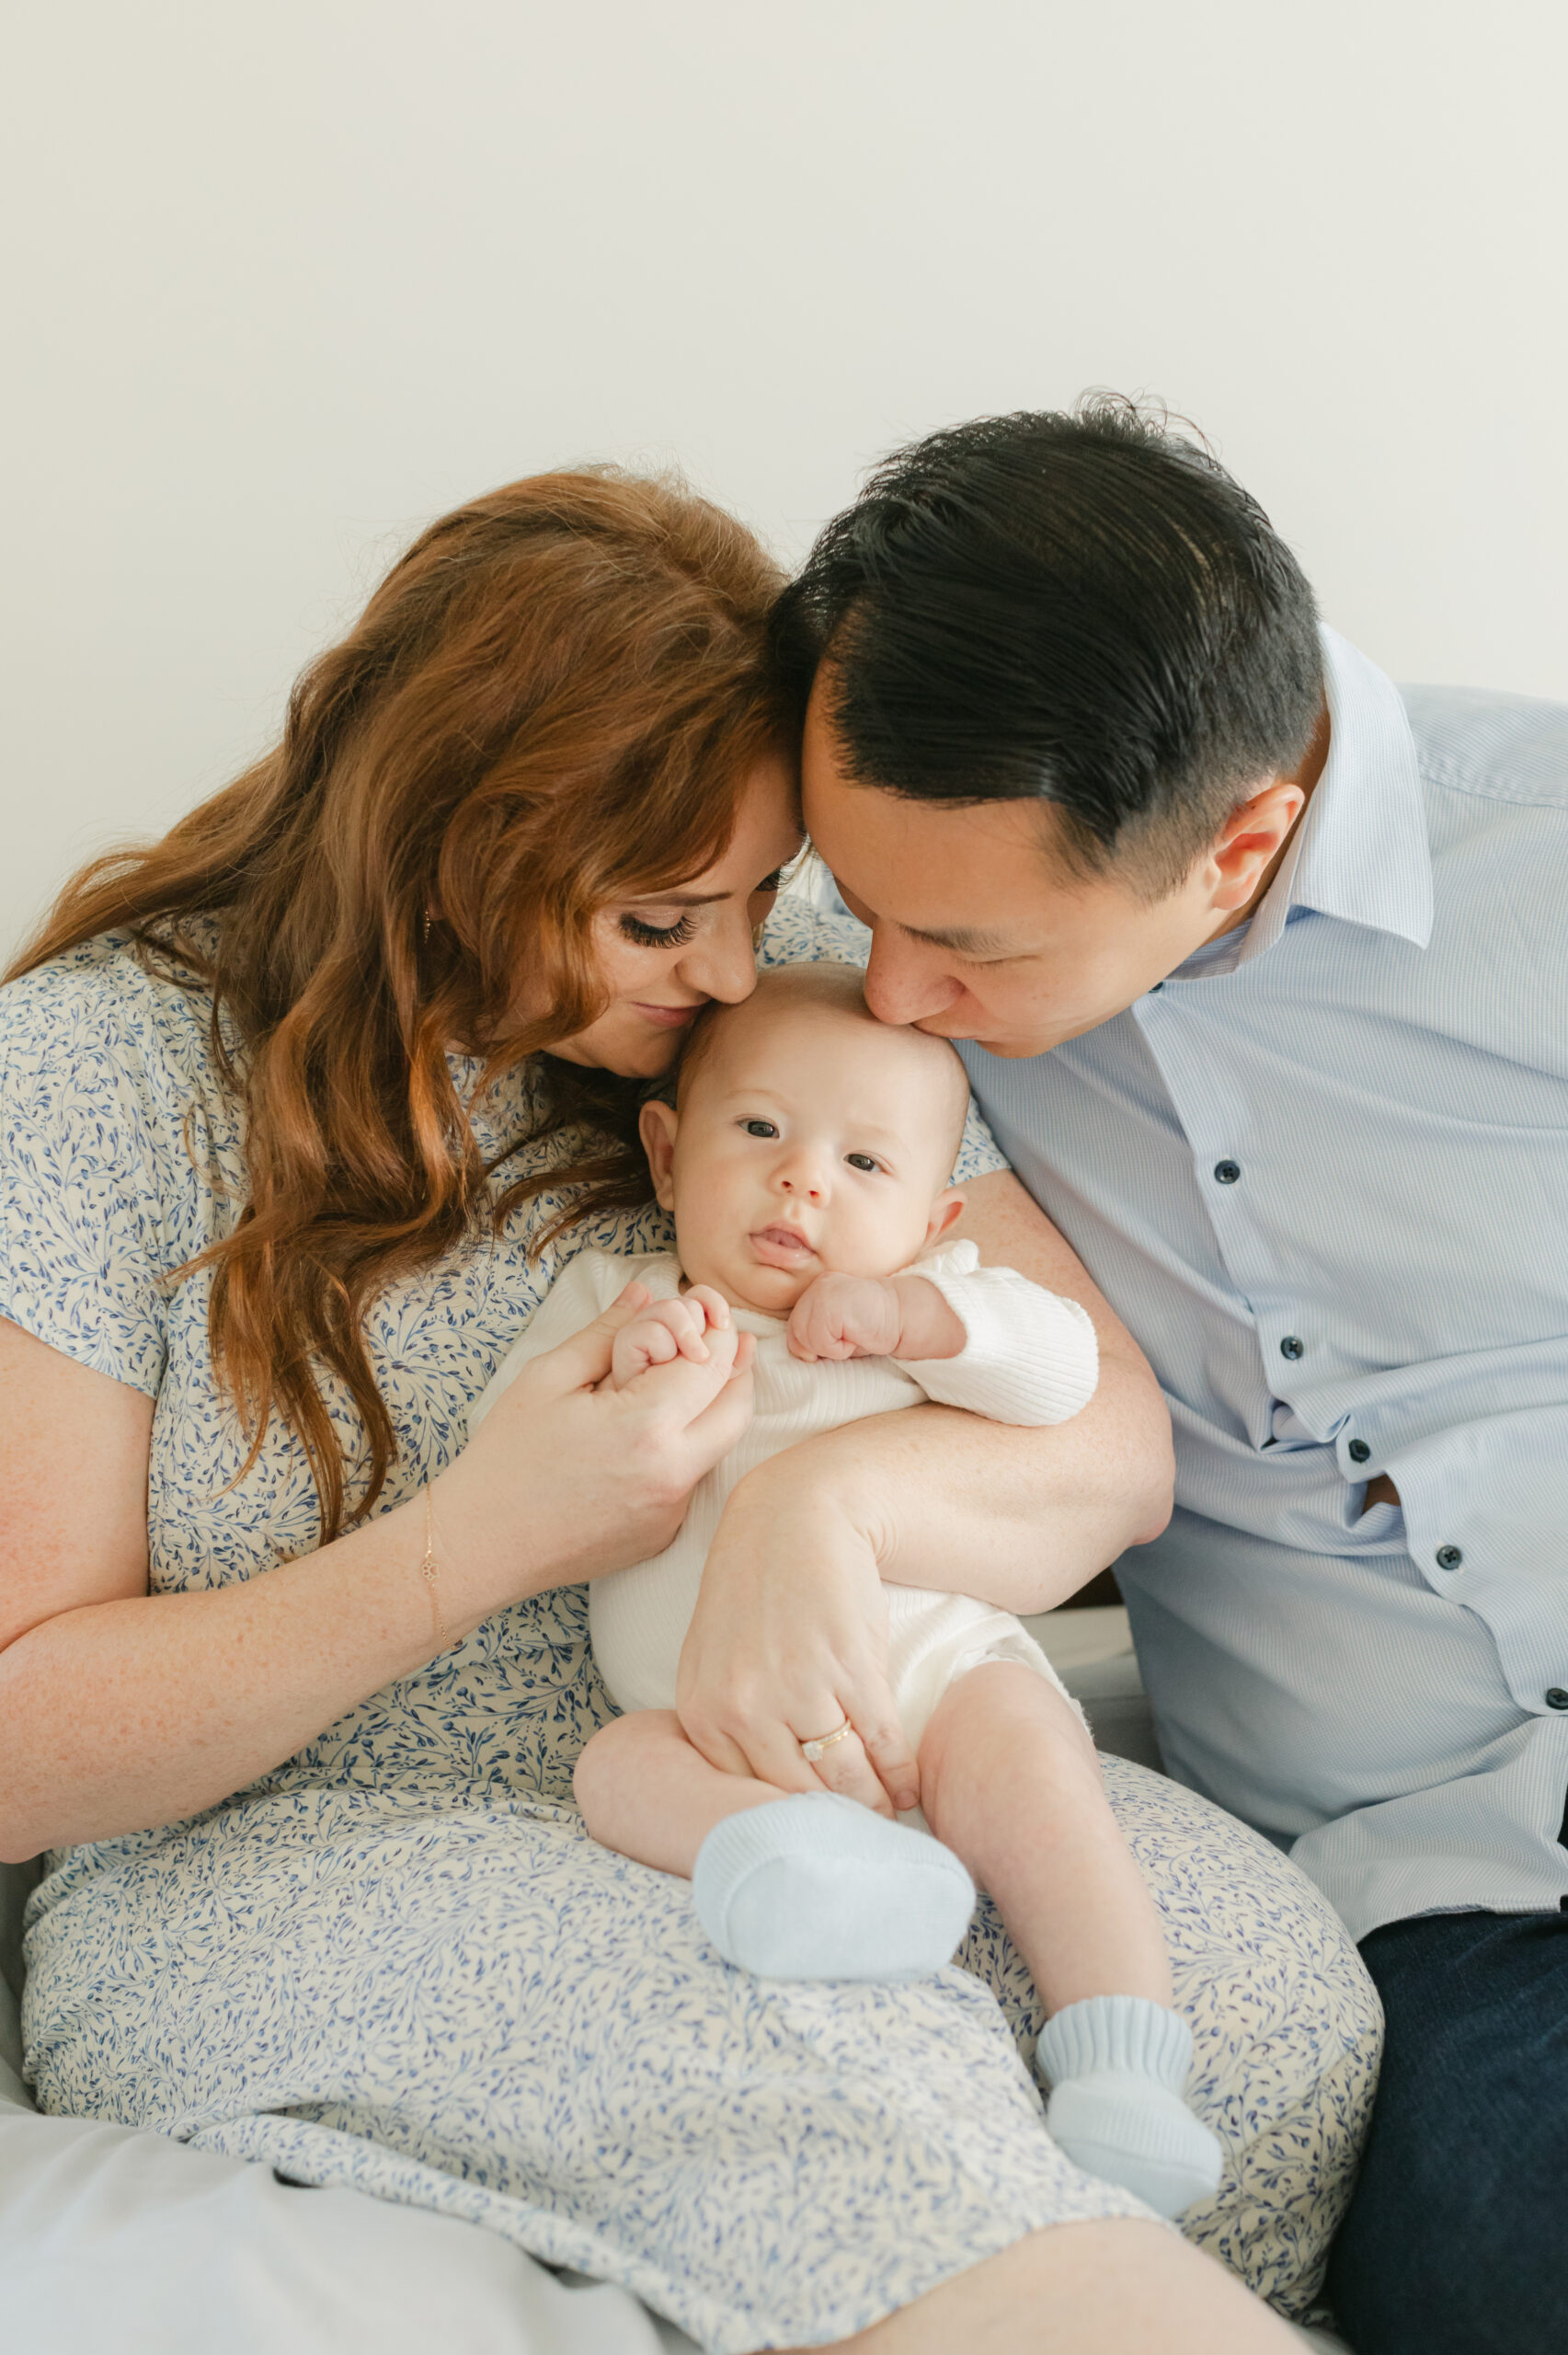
(646, 1792)
(1010, 1781)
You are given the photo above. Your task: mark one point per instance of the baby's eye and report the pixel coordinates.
(758, 1128)
(862, 1160)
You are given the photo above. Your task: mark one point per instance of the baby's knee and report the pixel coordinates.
(1000, 1721)
(603, 1764)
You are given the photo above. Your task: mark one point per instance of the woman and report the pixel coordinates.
(302, 1107)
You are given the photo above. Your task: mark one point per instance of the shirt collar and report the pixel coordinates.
(1361, 850)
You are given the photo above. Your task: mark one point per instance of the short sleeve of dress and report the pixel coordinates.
(800, 934)
(82, 1228)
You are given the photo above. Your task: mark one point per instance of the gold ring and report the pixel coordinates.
(812, 1750)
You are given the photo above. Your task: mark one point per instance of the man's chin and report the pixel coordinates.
(1010, 1049)
(1006, 1050)
(1017, 1050)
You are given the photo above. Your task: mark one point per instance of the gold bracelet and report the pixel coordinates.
(430, 1571)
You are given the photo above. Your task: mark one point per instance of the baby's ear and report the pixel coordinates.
(946, 1211)
(657, 1124)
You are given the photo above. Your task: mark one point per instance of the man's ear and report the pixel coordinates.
(946, 1211)
(657, 1124)
(1251, 838)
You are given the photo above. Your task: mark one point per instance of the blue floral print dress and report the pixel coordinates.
(398, 1963)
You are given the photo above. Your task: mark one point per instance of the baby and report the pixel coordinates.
(806, 1164)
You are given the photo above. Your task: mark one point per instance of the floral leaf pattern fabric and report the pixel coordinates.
(398, 1963)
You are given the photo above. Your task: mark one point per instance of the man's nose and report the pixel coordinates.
(904, 981)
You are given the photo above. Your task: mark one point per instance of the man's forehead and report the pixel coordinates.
(970, 876)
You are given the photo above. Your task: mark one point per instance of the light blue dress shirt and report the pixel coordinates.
(1323, 1174)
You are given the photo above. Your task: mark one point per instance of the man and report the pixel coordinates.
(1260, 968)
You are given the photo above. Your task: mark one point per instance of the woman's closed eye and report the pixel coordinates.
(657, 936)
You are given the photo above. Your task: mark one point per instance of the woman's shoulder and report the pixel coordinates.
(101, 1067)
(799, 932)
(103, 1063)
(102, 1002)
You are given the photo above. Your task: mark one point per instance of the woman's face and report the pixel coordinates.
(662, 958)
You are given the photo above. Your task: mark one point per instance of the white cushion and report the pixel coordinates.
(114, 2238)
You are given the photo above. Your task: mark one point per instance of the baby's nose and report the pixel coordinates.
(808, 1184)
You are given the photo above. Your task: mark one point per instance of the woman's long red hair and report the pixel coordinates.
(552, 701)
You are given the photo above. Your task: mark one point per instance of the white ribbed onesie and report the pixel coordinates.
(1029, 1358)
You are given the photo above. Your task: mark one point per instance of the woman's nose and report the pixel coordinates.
(721, 961)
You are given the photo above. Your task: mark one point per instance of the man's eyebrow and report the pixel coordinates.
(962, 942)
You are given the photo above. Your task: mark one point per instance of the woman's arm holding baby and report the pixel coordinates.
(120, 1708)
(790, 1622)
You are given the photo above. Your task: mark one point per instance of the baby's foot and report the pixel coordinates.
(1117, 2065)
(816, 1886)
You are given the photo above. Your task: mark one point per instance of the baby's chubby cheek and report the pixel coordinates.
(726, 1263)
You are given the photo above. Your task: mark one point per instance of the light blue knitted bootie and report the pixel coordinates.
(816, 1886)
(1117, 2065)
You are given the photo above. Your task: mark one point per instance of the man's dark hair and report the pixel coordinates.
(1078, 608)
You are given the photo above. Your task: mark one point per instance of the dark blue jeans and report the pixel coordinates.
(1457, 2239)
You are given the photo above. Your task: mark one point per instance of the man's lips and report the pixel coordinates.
(781, 1246)
(668, 1017)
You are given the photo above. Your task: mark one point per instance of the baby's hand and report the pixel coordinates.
(846, 1317)
(668, 1329)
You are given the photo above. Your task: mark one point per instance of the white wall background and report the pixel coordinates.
(284, 280)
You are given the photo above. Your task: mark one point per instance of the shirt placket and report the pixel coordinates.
(1218, 1118)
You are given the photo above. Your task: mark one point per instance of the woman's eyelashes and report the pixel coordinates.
(674, 935)
(657, 936)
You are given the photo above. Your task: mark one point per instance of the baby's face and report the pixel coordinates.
(811, 1138)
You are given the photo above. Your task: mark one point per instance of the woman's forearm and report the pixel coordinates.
(147, 1709)
(119, 1710)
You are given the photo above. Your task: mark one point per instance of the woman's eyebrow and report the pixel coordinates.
(680, 899)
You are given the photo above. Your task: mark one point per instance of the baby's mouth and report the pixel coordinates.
(781, 1246)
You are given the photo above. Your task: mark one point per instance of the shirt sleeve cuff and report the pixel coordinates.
(1028, 1357)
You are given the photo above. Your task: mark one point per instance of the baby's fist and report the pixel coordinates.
(845, 1316)
(666, 1330)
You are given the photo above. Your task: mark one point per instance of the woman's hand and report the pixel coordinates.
(572, 1475)
(120, 1709)
(789, 1638)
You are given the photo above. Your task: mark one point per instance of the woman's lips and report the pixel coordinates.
(781, 1246)
(669, 1017)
